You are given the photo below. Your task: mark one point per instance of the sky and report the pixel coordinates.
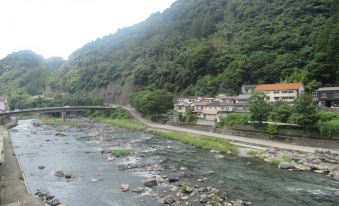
(59, 27)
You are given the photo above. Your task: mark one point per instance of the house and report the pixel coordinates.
(199, 106)
(287, 92)
(181, 104)
(3, 103)
(211, 111)
(328, 96)
(242, 98)
(248, 89)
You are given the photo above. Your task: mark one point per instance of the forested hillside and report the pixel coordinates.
(23, 72)
(201, 47)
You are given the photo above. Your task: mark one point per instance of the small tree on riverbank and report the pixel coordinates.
(259, 108)
(305, 112)
(154, 102)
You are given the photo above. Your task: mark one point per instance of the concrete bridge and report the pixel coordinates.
(62, 110)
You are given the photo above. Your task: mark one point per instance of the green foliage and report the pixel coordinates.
(183, 188)
(252, 153)
(272, 129)
(281, 111)
(23, 73)
(188, 116)
(153, 102)
(329, 124)
(235, 120)
(286, 158)
(124, 123)
(216, 199)
(203, 47)
(119, 113)
(259, 108)
(120, 152)
(201, 141)
(305, 112)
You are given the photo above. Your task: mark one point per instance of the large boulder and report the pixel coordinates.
(150, 182)
(238, 203)
(203, 198)
(173, 178)
(336, 177)
(59, 174)
(168, 199)
(336, 193)
(124, 187)
(285, 165)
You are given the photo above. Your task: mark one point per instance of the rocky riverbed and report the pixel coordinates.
(97, 164)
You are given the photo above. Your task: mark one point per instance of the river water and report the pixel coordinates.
(97, 180)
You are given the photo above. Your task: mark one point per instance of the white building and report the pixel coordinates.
(287, 92)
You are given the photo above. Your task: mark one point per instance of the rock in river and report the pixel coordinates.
(336, 177)
(173, 178)
(41, 167)
(138, 190)
(150, 182)
(203, 198)
(124, 187)
(168, 199)
(336, 193)
(285, 165)
(59, 174)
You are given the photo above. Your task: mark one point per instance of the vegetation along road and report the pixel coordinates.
(237, 140)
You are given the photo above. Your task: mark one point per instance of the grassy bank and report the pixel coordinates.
(200, 141)
(124, 123)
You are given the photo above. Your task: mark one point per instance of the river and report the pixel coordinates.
(97, 180)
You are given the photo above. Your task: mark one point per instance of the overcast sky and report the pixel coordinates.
(58, 27)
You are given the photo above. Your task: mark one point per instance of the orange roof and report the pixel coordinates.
(279, 86)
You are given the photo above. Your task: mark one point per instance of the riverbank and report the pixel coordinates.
(14, 190)
(182, 173)
(201, 141)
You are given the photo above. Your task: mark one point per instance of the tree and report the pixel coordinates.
(281, 111)
(153, 102)
(305, 112)
(259, 108)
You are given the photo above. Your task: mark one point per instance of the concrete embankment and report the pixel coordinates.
(13, 190)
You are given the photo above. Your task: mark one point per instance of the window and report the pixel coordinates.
(336, 94)
(324, 94)
(276, 92)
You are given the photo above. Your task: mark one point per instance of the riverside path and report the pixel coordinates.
(237, 140)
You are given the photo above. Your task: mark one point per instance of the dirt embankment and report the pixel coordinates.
(13, 190)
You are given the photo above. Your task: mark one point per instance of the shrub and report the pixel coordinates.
(252, 153)
(119, 113)
(272, 129)
(329, 128)
(120, 152)
(235, 120)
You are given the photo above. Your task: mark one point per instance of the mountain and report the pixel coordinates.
(201, 47)
(23, 72)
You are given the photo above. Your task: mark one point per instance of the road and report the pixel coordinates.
(237, 140)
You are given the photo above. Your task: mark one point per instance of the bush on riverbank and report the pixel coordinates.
(120, 152)
(235, 120)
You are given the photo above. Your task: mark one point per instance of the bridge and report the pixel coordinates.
(62, 110)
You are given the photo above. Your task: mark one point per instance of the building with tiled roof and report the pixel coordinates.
(287, 92)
